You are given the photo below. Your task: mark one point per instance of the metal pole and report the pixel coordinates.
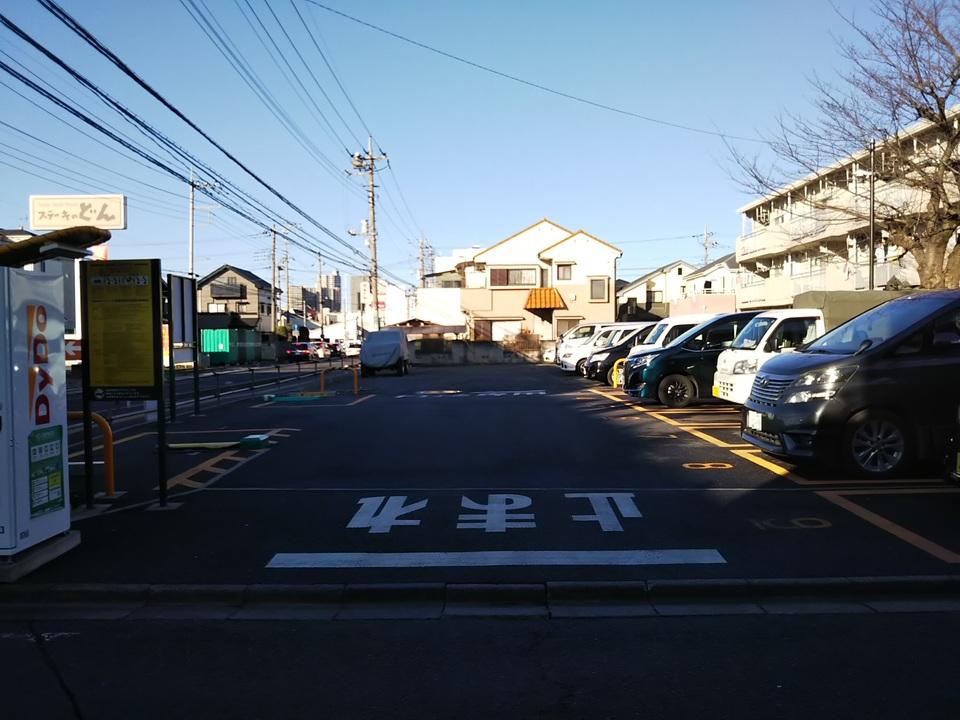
(273, 284)
(85, 387)
(873, 153)
(173, 365)
(196, 349)
(192, 189)
(375, 285)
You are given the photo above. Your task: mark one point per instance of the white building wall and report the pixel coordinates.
(440, 306)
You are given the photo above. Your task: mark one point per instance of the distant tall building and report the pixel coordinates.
(304, 302)
(330, 292)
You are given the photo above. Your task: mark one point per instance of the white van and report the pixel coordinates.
(385, 350)
(769, 333)
(572, 356)
(668, 330)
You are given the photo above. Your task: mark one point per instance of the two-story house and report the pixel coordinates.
(542, 280)
(710, 288)
(652, 294)
(230, 289)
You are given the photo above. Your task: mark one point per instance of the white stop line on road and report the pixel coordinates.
(496, 558)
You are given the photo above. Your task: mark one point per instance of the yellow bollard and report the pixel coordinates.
(617, 380)
(109, 480)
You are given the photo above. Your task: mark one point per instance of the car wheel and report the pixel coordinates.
(610, 377)
(876, 444)
(676, 391)
(400, 368)
(580, 369)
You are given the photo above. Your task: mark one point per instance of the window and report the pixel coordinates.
(792, 333)
(598, 289)
(564, 272)
(565, 325)
(679, 271)
(505, 277)
(216, 307)
(231, 280)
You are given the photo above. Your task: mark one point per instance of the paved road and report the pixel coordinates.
(496, 474)
(785, 667)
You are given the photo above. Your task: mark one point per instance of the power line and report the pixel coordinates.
(538, 86)
(79, 30)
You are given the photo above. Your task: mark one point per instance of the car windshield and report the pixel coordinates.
(753, 333)
(604, 338)
(655, 334)
(681, 339)
(876, 326)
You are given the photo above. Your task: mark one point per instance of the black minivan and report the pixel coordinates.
(876, 393)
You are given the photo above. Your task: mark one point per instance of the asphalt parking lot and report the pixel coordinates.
(512, 473)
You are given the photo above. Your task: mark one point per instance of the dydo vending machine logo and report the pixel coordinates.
(45, 441)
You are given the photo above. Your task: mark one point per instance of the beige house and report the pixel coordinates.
(543, 280)
(230, 289)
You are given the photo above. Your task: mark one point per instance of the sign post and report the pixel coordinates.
(122, 345)
(182, 332)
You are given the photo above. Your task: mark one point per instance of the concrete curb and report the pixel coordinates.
(532, 600)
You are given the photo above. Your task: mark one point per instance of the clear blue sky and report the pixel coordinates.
(476, 157)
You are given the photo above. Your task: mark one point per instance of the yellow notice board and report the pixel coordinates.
(121, 317)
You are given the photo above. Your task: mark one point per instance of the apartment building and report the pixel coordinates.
(542, 280)
(813, 234)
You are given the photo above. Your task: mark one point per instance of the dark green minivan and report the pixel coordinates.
(682, 373)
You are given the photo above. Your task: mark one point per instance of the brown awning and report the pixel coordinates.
(545, 299)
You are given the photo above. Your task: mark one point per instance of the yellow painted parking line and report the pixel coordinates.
(712, 440)
(754, 457)
(700, 411)
(898, 531)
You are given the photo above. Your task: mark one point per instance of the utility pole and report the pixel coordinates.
(873, 153)
(368, 164)
(286, 268)
(193, 186)
(423, 263)
(273, 284)
(320, 290)
(707, 244)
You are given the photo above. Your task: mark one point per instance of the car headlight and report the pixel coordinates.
(819, 384)
(745, 367)
(640, 360)
(597, 357)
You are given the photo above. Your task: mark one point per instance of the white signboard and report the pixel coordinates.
(55, 212)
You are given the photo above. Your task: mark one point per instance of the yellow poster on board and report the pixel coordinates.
(119, 322)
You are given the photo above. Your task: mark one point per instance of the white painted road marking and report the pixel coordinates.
(496, 558)
(479, 393)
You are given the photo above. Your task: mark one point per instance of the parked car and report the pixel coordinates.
(769, 333)
(683, 372)
(575, 336)
(600, 365)
(383, 350)
(578, 344)
(575, 358)
(298, 352)
(874, 394)
(661, 336)
(952, 455)
(352, 349)
(317, 350)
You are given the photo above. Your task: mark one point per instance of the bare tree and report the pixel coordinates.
(899, 95)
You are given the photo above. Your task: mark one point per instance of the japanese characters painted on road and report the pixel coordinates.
(498, 514)
(55, 212)
(121, 313)
(33, 402)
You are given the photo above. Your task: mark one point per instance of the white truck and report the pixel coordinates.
(769, 333)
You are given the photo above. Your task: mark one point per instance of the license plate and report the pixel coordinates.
(754, 420)
(716, 391)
